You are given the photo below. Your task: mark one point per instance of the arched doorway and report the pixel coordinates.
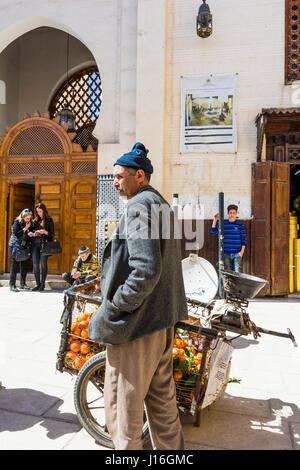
(40, 161)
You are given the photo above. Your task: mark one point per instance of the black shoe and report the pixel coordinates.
(24, 287)
(41, 288)
(13, 289)
(36, 288)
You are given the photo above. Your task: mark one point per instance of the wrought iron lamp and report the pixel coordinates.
(66, 115)
(204, 21)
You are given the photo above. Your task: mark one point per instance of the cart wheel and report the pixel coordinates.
(89, 402)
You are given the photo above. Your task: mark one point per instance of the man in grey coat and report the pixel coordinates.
(143, 298)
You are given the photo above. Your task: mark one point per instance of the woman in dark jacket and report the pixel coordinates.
(43, 231)
(20, 236)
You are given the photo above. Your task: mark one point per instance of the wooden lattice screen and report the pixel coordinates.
(82, 94)
(292, 41)
(36, 140)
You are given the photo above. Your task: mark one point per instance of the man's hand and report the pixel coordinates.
(241, 253)
(76, 275)
(216, 219)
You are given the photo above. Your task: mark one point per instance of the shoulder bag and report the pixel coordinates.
(51, 247)
(20, 253)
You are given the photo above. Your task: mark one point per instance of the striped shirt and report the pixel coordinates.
(234, 236)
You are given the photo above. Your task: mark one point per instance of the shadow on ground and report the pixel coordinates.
(23, 408)
(238, 423)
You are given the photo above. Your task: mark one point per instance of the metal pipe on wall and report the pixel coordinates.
(221, 243)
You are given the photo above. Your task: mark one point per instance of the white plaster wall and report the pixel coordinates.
(248, 38)
(108, 29)
(9, 73)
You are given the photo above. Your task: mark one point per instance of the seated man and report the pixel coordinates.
(86, 268)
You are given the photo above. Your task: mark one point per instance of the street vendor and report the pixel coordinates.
(235, 239)
(143, 298)
(85, 268)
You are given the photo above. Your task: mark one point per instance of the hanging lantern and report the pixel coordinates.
(204, 21)
(66, 116)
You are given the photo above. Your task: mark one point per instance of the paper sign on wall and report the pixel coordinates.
(209, 114)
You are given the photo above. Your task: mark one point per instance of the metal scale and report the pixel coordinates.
(229, 314)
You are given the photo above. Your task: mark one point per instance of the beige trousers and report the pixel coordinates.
(141, 373)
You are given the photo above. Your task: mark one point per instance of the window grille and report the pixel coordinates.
(86, 167)
(292, 41)
(36, 168)
(82, 94)
(36, 140)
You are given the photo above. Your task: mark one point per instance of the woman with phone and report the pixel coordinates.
(20, 237)
(43, 226)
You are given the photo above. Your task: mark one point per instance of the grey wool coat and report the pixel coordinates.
(141, 277)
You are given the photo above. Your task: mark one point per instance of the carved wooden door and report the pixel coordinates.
(52, 195)
(270, 225)
(82, 215)
(20, 196)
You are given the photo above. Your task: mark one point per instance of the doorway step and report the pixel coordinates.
(53, 281)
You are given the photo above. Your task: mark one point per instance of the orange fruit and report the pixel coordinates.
(84, 333)
(85, 348)
(75, 346)
(178, 374)
(77, 332)
(70, 356)
(181, 353)
(79, 361)
(179, 343)
(83, 324)
(80, 318)
(73, 326)
(87, 316)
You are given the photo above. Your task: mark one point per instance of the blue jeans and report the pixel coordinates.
(233, 262)
(36, 259)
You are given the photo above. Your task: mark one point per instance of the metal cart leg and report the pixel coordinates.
(198, 417)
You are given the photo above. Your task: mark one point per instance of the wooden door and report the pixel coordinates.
(280, 204)
(21, 196)
(261, 223)
(52, 194)
(270, 225)
(82, 217)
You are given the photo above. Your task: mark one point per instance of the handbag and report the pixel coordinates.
(20, 253)
(51, 247)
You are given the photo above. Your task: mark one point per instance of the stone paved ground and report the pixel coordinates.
(36, 403)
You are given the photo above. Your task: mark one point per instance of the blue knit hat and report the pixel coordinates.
(137, 159)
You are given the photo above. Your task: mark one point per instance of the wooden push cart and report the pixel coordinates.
(78, 355)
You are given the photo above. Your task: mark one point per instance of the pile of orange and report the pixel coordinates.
(186, 359)
(80, 349)
(186, 366)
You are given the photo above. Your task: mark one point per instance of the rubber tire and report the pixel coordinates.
(100, 436)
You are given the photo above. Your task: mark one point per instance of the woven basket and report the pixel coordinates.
(80, 303)
(191, 356)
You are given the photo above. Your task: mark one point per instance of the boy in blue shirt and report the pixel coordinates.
(235, 239)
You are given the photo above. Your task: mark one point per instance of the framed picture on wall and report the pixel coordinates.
(208, 121)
